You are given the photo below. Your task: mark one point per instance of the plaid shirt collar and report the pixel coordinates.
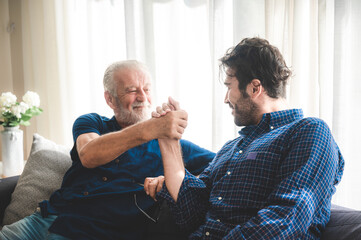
(272, 121)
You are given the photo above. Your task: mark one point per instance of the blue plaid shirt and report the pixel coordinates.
(275, 181)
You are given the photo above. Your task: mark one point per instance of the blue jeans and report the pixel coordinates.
(33, 227)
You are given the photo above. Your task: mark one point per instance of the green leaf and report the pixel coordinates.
(34, 111)
(13, 124)
(25, 123)
(37, 111)
(25, 117)
(30, 111)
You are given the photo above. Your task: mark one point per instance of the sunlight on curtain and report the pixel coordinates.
(182, 64)
(90, 37)
(347, 100)
(67, 46)
(40, 62)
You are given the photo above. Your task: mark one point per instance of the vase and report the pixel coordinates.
(12, 151)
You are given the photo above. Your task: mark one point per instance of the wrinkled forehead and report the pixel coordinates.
(127, 77)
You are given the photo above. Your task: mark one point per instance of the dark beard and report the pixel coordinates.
(245, 112)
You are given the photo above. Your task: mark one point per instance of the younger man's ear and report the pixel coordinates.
(256, 87)
(110, 100)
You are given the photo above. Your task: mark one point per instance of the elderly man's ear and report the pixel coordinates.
(110, 100)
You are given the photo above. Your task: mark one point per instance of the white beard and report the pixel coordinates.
(128, 118)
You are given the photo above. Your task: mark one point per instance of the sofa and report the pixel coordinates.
(48, 161)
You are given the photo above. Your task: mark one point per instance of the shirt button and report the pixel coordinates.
(117, 161)
(228, 173)
(105, 179)
(85, 193)
(240, 151)
(271, 127)
(219, 198)
(218, 220)
(207, 233)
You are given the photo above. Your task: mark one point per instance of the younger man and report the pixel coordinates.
(275, 181)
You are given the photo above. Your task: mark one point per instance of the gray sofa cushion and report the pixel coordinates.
(344, 224)
(7, 186)
(42, 175)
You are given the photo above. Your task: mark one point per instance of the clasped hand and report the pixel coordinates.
(170, 120)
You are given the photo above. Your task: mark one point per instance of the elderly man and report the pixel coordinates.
(274, 181)
(102, 196)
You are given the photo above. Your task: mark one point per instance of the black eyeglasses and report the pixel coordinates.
(156, 212)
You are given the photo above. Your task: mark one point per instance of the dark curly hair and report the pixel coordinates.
(255, 58)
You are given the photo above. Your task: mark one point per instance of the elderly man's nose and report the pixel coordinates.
(141, 96)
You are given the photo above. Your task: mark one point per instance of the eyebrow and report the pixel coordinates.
(135, 87)
(230, 75)
(130, 87)
(226, 83)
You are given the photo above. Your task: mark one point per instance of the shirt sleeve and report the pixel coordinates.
(196, 159)
(193, 199)
(311, 167)
(85, 124)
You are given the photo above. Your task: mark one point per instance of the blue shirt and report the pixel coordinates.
(99, 203)
(274, 181)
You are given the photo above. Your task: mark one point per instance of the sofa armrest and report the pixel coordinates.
(7, 186)
(344, 224)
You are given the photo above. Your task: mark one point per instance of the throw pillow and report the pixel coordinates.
(42, 175)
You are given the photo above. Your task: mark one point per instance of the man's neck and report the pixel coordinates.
(272, 105)
(275, 105)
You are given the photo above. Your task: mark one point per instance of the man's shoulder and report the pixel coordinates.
(311, 123)
(91, 117)
(311, 128)
(93, 122)
(313, 120)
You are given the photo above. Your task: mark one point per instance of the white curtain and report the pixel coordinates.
(68, 44)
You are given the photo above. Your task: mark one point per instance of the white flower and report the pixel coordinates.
(3, 110)
(13, 113)
(16, 110)
(32, 99)
(7, 99)
(23, 107)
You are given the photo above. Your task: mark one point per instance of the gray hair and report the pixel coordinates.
(108, 80)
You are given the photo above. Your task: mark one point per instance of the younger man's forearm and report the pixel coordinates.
(173, 165)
